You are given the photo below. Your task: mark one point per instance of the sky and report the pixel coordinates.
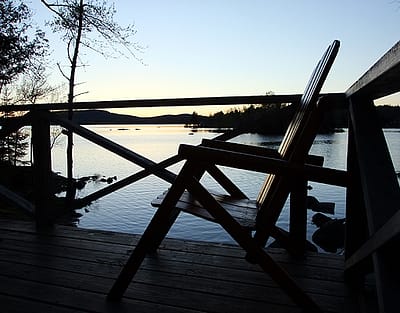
(201, 48)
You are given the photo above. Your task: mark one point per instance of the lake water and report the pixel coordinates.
(129, 210)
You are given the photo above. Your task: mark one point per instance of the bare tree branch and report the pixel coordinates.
(81, 93)
(51, 6)
(62, 72)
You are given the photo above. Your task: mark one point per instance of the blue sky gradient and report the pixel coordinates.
(198, 48)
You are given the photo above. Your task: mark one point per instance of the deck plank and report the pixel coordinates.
(71, 269)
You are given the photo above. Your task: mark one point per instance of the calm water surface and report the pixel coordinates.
(129, 210)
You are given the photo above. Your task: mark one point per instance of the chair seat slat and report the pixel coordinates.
(244, 211)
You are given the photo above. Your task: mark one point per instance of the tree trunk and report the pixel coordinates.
(71, 190)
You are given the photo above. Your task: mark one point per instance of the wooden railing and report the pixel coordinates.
(373, 194)
(41, 116)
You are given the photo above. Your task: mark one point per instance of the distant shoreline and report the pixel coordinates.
(389, 116)
(102, 117)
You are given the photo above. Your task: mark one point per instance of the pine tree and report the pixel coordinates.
(21, 51)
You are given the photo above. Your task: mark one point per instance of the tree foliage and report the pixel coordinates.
(13, 148)
(22, 53)
(21, 47)
(271, 119)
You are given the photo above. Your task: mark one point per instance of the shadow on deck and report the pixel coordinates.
(68, 269)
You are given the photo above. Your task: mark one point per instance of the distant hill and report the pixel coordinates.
(88, 117)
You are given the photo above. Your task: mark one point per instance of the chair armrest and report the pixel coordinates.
(235, 159)
(262, 164)
(237, 147)
(255, 150)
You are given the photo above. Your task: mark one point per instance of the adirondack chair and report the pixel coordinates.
(237, 214)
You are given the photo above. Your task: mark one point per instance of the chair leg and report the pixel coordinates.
(162, 229)
(128, 271)
(244, 239)
(170, 200)
(146, 243)
(282, 278)
(268, 216)
(155, 232)
(298, 217)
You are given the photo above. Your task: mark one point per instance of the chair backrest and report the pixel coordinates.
(297, 141)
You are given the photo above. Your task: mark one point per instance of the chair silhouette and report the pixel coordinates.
(234, 212)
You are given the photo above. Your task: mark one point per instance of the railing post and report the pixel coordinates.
(41, 168)
(380, 194)
(356, 219)
(356, 227)
(298, 216)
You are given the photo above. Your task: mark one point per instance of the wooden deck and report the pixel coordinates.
(69, 269)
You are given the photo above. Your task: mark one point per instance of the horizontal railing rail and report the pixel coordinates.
(177, 102)
(381, 80)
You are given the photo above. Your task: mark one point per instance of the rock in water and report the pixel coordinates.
(330, 234)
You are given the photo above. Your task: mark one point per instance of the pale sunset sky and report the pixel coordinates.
(200, 48)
